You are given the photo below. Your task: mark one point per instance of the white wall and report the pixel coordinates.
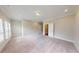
(30, 27)
(77, 29)
(25, 27)
(16, 28)
(64, 28)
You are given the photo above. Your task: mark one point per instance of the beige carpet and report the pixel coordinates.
(38, 44)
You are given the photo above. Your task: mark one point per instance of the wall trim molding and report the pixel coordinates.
(63, 39)
(77, 45)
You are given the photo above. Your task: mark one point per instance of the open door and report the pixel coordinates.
(51, 30)
(46, 29)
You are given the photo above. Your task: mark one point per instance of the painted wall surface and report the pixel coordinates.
(24, 27)
(64, 28)
(76, 32)
(16, 28)
(30, 27)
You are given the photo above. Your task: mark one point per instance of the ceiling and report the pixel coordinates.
(28, 12)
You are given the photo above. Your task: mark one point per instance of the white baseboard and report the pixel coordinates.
(64, 39)
(77, 45)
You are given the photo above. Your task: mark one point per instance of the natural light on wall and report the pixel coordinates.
(5, 30)
(1, 30)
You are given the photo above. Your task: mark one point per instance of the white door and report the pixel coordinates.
(50, 29)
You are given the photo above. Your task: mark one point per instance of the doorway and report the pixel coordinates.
(46, 29)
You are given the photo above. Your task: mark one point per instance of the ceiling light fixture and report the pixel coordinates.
(66, 10)
(37, 14)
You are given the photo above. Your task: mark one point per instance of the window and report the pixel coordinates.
(1, 30)
(7, 29)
